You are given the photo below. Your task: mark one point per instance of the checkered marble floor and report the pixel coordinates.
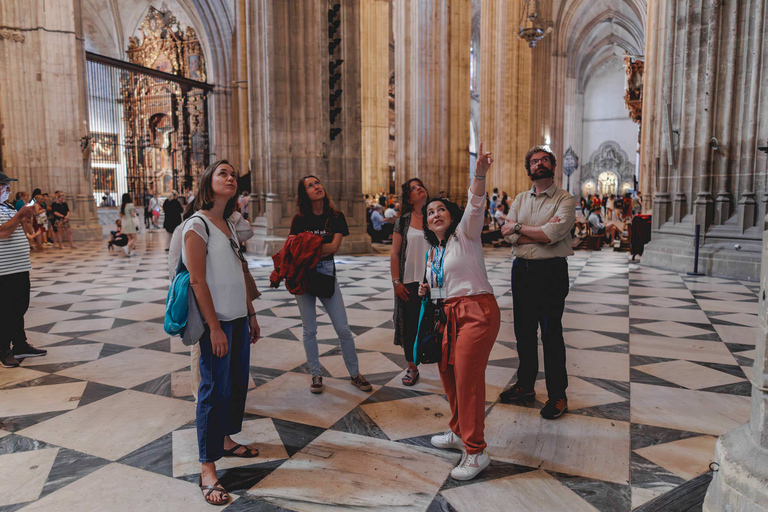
(658, 366)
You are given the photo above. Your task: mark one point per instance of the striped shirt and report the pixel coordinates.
(14, 250)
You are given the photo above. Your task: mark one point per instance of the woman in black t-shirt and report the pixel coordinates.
(318, 215)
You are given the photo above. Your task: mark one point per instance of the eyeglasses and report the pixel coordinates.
(237, 250)
(540, 160)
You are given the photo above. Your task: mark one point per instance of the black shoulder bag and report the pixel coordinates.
(428, 347)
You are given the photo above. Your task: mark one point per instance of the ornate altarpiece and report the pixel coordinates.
(633, 88)
(609, 171)
(166, 123)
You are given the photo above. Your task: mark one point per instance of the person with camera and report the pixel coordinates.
(456, 276)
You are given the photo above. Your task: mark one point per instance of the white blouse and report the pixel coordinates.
(415, 251)
(464, 271)
(223, 269)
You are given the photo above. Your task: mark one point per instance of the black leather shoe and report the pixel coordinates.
(28, 350)
(515, 394)
(8, 361)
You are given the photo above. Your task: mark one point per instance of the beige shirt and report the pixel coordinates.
(531, 209)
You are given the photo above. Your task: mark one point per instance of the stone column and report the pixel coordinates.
(432, 44)
(289, 119)
(44, 105)
(374, 88)
(740, 483)
(505, 97)
(704, 107)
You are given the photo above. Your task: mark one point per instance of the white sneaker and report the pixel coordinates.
(471, 465)
(447, 440)
(133, 253)
(125, 250)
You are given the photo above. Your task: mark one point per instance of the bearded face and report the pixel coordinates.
(541, 166)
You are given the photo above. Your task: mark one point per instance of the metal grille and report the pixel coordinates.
(149, 130)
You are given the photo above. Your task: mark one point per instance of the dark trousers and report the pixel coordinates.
(539, 288)
(223, 388)
(410, 310)
(14, 302)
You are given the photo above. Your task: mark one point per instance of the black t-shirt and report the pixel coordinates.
(325, 225)
(61, 208)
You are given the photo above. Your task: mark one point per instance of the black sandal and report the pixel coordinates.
(214, 488)
(411, 377)
(247, 454)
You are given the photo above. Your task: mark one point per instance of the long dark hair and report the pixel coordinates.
(304, 203)
(455, 213)
(406, 206)
(124, 201)
(204, 194)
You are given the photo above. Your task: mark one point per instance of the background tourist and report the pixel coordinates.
(129, 224)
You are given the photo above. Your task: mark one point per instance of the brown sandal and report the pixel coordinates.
(210, 489)
(411, 377)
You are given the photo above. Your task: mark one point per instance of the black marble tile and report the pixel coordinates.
(14, 508)
(16, 444)
(56, 367)
(68, 467)
(509, 362)
(635, 360)
(423, 441)
(739, 347)
(359, 330)
(156, 457)
(295, 436)
(645, 473)
(440, 504)
(721, 321)
(622, 348)
(16, 423)
(160, 346)
(122, 322)
(48, 380)
(387, 325)
(688, 497)
(110, 350)
(160, 386)
(41, 328)
(398, 359)
(336, 351)
(379, 379)
(509, 344)
(617, 411)
(249, 503)
(640, 377)
(730, 369)
(95, 391)
(604, 496)
(496, 470)
(358, 422)
(614, 386)
(285, 334)
(304, 368)
(642, 436)
(69, 343)
(386, 394)
(738, 388)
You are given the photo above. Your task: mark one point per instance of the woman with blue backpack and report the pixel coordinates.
(216, 276)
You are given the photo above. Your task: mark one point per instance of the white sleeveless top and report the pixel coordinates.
(414, 256)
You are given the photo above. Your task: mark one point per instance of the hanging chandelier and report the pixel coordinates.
(532, 27)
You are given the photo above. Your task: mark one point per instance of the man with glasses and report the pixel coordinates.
(539, 226)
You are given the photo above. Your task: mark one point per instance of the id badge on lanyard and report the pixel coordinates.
(437, 290)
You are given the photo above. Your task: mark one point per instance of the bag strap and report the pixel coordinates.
(181, 265)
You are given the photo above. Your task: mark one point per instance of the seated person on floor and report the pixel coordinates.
(117, 238)
(599, 227)
(499, 215)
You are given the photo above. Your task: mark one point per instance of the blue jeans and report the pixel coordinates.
(223, 388)
(334, 306)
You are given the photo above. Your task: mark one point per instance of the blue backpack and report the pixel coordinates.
(177, 301)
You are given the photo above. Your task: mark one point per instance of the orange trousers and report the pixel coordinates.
(471, 329)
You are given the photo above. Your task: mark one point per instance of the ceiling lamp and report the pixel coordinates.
(532, 28)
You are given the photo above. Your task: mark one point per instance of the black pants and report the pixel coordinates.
(539, 288)
(410, 311)
(14, 302)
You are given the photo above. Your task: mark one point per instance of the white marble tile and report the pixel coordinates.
(128, 369)
(589, 339)
(138, 490)
(729, 307)
(594, 309)
(684, 409)
(689, 375)
(288, 397)
(668, 314)
(68, 287)
(369, 474)
(672, 329)
(717, 287)
(363, 318)
(82, 325)
(596, 322)
(41, 339)
(687, 458)
(674, 293)
(3, 433)
(574, 444)
(281, 354)
(368, 363)
(662, 302)
(40, 316)
(581, 394)
(39, 399)
(325, 332)
(57, 299)
(139, 312)
(593, 363)
(23, 475)
(410, 417)
(178, 346)
(95, 305)
(736, 334)
(641, 495)
(131, 335)
(729, 297)
(14, 376)
(378, 339)
(533, 491)
(739, 318)
(110, 291)
(132, 419)
(496, 379)
(259, 434)
(500, 351)
(140, 295)
(66, 354)
(270, 325)
(680, 348)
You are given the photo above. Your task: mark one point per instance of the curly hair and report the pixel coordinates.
(537, 149)
(406, 204)
(453, 210)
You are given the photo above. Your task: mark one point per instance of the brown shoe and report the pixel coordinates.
(361, 383)
(317, 384)
(8, 361)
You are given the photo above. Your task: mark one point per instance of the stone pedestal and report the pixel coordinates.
(43, 105)
(740, 483)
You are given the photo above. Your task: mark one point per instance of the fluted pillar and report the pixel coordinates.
(505, 97)
(43, 105)
(706, 69)
(432, 99)
(374, 88)
(289, 115)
